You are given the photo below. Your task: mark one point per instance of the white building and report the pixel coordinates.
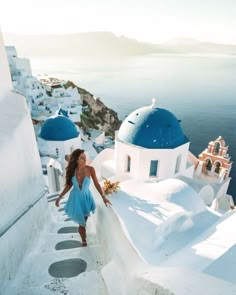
(151, 144)
(17, 64)
(162, 208)
(23, 81)
(22, 188)
(44, 95)
(58, 136)
(67, 98)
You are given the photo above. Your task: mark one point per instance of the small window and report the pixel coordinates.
(153, 168)
(128, 164)
(177, 165)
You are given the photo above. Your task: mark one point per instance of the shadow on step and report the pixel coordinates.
(67, 219)
(69, 244)
(52, 200)
(68, 230)
(67, 268)
(53, 196)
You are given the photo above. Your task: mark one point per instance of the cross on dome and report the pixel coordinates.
(154, 103)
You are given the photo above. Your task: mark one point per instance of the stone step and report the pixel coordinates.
(58, 264)
(87, 283)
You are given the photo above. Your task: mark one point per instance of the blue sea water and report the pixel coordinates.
(199, 90)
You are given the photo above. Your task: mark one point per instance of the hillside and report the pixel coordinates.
(106, 44)
(76, 44)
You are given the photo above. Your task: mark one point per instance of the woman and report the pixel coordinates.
(80, 202)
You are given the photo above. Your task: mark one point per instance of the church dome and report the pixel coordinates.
(153, 128)
(58, 128)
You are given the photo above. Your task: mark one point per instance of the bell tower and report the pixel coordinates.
(216, 161)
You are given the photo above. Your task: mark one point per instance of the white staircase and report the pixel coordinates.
(58, 243)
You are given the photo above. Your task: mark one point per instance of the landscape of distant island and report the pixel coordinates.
(106, 44)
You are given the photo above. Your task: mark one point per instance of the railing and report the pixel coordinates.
(23, 212)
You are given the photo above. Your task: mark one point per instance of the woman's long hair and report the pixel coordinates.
(70, 169)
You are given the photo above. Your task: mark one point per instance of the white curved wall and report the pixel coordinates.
(223, 189)
(5, 80)
(21, 180)
(99, 161)
(207, 194)
(48, 148)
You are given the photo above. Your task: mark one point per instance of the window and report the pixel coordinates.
(177, 165)
(128, 164)
(153, 168)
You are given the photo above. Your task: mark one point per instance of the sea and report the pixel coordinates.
(200, 90)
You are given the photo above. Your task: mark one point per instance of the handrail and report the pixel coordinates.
(23, 212)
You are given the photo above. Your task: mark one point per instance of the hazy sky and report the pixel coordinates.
(145, 20)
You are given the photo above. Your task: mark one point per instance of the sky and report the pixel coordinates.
(145, 20)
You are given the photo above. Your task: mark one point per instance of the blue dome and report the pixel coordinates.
(153, 128)
(58, 128)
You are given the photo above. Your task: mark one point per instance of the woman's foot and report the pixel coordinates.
(84, 244)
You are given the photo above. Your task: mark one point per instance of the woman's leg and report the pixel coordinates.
(82, 232)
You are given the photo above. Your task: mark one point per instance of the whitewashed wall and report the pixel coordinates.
(5, 80)
(21, 185)
(72, 144)
(11, 55)
(207, 194)
(21, 180)
(141, 158)
(223, 189)
(24, 64)
(48, 147)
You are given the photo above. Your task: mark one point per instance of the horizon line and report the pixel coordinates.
(119, 36)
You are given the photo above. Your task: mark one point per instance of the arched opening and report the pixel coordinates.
(177, 165)
(217, 148)
(208, 164)
(217, 167)
(153, 168)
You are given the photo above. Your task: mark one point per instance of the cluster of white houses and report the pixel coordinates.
(45, 95)
(55, 111)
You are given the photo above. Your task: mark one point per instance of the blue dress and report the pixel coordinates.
(80, 202)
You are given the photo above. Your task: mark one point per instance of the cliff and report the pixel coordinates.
(95, 113)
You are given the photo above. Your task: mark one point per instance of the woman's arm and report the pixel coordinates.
(98, 186)
(65, 190)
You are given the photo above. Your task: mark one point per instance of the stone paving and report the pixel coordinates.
(58, 264)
